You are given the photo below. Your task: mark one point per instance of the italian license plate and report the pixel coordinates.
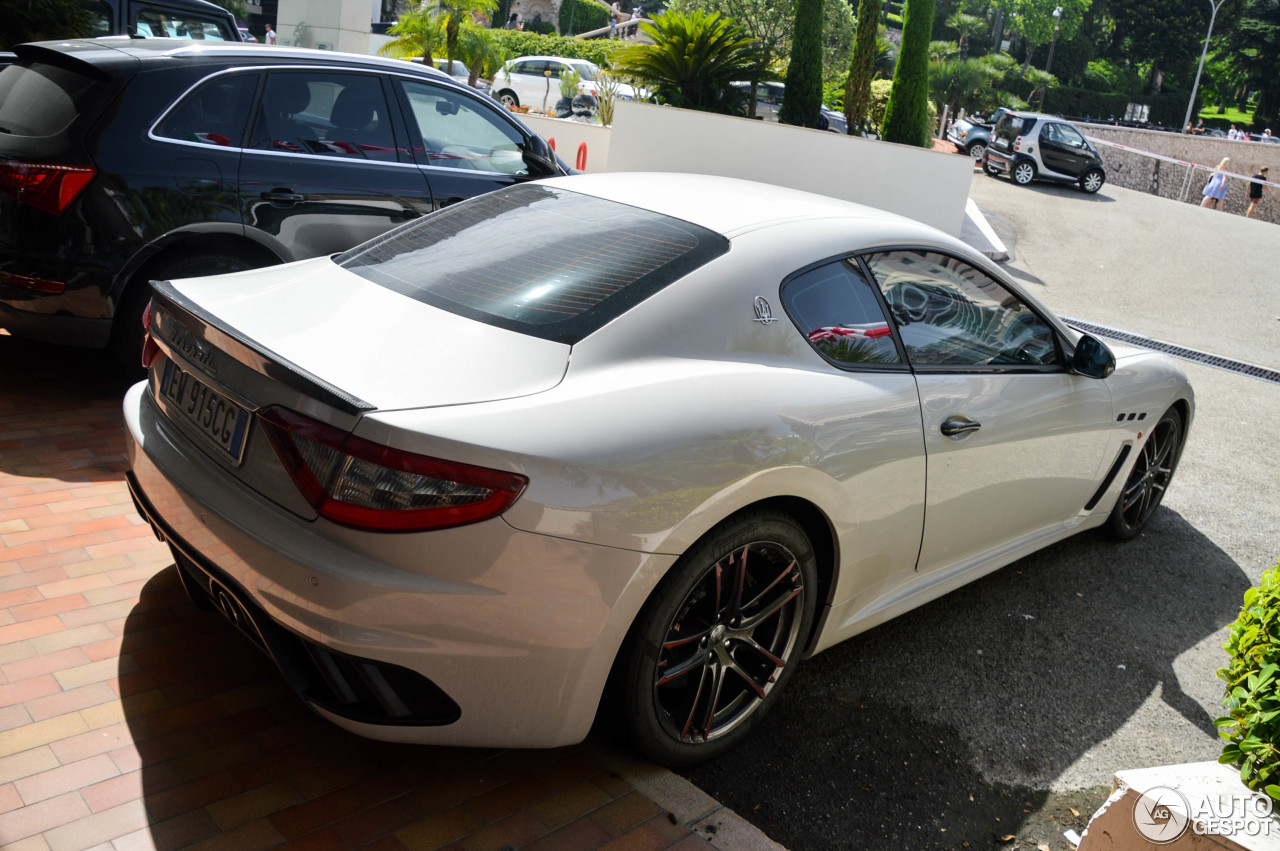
(215, 416)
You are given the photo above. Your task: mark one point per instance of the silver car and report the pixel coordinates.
(677, 429)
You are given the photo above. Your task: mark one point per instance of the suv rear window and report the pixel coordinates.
(536, 259)
(39, 99)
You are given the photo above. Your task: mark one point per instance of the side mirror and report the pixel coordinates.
(539, 157)
(1092, 359)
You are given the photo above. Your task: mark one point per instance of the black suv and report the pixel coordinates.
(1030, 146)
(126, 160)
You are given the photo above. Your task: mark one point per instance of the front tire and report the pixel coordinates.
(1149, 479)
(1023, 173)
(1091, 181)
(721, 635)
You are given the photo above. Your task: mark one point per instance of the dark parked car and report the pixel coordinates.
(1029, 146)
(127, 160)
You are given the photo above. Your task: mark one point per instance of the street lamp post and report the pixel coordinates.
(1212, 17)
(1057, 20)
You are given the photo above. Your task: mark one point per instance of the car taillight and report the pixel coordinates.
(45, 186)
(357, 483)
(150, 348)
(1017, 144)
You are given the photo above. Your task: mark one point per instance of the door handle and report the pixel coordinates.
(282, 196)
(959, 426)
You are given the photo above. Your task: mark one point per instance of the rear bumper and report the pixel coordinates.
(518, 630)
(997, 161)
(55, 328)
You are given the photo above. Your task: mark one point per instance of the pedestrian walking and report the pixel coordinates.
(1216, 189)
(1233, 133)
(270, 37)
(1255, 191)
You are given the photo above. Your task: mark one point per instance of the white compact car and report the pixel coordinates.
(524, 81)
(678, 429)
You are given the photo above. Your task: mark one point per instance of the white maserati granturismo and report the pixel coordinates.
(674, 430)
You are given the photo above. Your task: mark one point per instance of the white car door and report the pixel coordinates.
(1015, 443)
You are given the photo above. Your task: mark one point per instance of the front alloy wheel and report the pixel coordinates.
(719, 638)
(1092, 180)
(1023, 173)
(1149, 478)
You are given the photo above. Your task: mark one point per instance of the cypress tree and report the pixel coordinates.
(857, 93)
(802, 103)
(906, 117)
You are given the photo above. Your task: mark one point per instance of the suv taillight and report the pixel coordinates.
(365, 485)
(46, 186)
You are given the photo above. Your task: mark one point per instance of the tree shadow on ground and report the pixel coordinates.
(945, 727)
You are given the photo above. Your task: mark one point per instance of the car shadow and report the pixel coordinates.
(945, 727)
(70, 427)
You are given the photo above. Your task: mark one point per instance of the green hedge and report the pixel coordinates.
(587, 16)
(518, 43)
(1252, 729)
(1169, 108)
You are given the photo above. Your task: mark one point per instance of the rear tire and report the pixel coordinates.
(710, 652)
(1023, 173)
(988, 168)
(978, 150)
(127, 333)
(508, 98)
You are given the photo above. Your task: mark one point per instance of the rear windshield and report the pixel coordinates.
(40, 99)
(536, 259)
(1011, 127)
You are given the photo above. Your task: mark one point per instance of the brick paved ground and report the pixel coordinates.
(128, 720)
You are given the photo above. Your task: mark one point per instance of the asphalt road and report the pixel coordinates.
(996, 716)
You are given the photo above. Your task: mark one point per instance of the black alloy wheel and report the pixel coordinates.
(719, 638)
(1149, 479)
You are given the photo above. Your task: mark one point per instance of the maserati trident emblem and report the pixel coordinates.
(764, 313)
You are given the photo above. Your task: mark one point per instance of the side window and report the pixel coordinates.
(1049, 133)
(167, 23)
(215, 113)
(949, 313)
(329, 115)
(101, 18)
(1071, 137)
(463, 132)
(839, 314)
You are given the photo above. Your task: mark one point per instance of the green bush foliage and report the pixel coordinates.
(518, 43)
(906, 118)
(1252, 729)
(804, 72)
(587, 16)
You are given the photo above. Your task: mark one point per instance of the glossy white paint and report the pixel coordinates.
(674, 416)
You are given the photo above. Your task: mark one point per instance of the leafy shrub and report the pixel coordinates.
(587, 16)
(1252, 730)
(525, 43)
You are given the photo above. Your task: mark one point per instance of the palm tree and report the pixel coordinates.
(959, 83)
(481, 52)
(965, 25)
(455, 12)
(419, 32)
(693, 59)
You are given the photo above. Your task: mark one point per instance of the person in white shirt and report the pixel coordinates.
(271, 35)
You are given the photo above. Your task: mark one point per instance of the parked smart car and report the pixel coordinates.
(125, 160)
(670, 431)
(1030, 146)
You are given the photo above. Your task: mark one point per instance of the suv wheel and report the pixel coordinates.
(1023, 173)
(978, 150)
(126, 332)
(508, 98)
(1091, 181)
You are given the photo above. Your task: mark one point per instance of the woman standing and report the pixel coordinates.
(1216, 189)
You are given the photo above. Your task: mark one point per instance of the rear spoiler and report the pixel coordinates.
(200, 326)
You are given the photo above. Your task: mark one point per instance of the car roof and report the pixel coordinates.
(726, 205)
(108, 51)
(567, 59)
